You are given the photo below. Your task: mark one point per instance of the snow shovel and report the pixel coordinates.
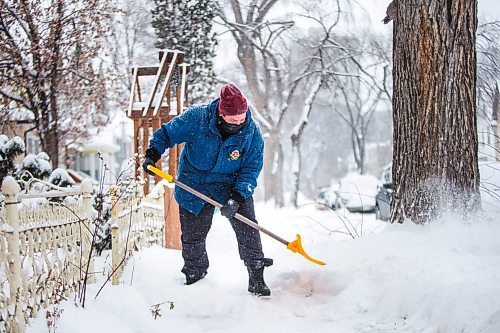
(295, 246)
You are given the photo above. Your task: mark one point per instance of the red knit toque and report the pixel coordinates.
(232, 102)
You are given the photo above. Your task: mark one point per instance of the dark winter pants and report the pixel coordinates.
(194, 234)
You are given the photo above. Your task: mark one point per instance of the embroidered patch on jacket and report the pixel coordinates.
(234, 155)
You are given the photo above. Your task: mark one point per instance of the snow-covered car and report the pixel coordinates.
(384, 192)
(328, 198)
(357, 192)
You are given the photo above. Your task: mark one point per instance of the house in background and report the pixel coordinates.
(110, 147)
(21, 123)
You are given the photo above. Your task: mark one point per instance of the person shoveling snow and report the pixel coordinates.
(222, 158)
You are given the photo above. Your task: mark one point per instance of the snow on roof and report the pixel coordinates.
(99, 144)
(17, 114)
(79, 176)
(122, 125)
(105, 138)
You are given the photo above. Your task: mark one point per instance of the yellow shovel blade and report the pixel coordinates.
(160, 173)
(296, 246)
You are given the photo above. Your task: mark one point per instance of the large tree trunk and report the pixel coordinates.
(435, 132)
(51, 146)
(47, 127)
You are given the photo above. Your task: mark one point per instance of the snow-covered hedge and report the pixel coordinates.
(38, 166)
(9, 150)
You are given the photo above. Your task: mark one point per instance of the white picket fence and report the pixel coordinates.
(45, 249)
(137, 222)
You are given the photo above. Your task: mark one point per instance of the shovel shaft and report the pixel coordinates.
(238, 216)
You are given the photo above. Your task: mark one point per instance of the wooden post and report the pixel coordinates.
(145, 144)
(156, 125)
(137, 164)
(11, 190)
(86, 188)
(115, 230)
(173, 160)
(172, 220)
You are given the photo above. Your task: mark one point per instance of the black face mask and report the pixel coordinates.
(227, 128)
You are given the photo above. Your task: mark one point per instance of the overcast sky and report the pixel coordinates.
(489, 8)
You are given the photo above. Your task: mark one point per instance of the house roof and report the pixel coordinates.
(17, 115)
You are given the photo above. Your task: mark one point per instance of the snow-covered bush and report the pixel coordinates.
(102, 215)
(60, 177)
(38, 166)
(9, 150)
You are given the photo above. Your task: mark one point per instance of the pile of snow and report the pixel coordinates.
(398, 278)
(159, 189)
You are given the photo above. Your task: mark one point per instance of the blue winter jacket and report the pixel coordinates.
(207, 163)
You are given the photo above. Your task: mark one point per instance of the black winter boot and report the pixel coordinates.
(256, 284)
(193, 276)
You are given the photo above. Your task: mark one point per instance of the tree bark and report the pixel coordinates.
(435, 166)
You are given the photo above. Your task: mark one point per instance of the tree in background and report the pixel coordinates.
(488, 76)
(435, 163)
(130, 42)
(186, 25)
(48, 65)
(488, 71)
(268, 74)
(361, 90)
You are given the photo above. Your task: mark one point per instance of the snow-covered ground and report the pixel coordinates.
(444, 277)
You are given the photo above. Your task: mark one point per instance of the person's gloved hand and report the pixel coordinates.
(148, 161)
(230, 209)
(151, 157)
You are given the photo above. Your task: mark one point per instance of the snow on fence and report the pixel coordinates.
(43, 251)
(135, 223)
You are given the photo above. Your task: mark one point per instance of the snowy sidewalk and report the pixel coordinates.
(402, 278)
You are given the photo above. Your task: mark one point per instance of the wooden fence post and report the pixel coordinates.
(11, 190)
(115, 234)
(172, 220)
(86, 188)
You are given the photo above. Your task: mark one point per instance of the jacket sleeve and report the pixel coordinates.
(246, 182)
(178, 130)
